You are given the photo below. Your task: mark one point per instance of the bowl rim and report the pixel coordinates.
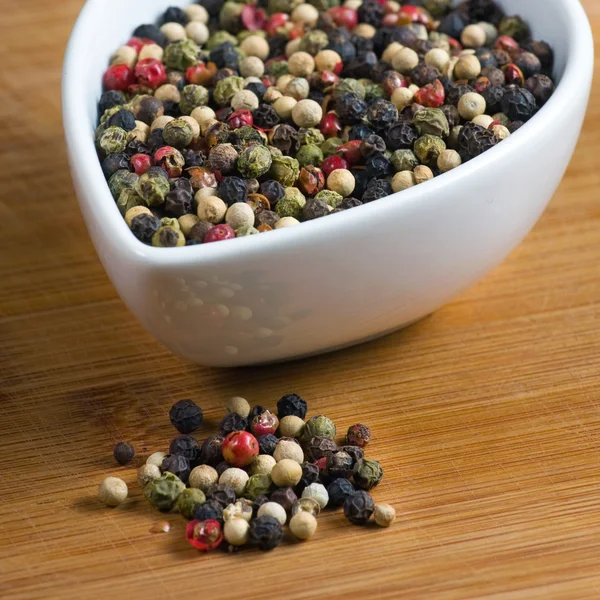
(578, 69)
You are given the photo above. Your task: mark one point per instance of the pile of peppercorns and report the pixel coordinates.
(228, 119)
(258, 473)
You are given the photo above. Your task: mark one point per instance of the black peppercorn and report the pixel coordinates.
(317, 95)
(339, 489)
(265, 532)
(113, 163)
(452, 115)
(151, 32)
(456, 92)
(285, 138)
(291, 405)
(360, 132)
(209, 510)
(222, 467)
(178, 202)
(361, 180)
(376, 189)
(284, 496)
(515, 125)
(224, 56)
(542, 88)
(493, 98)
(178, 465)
(258, 89)
(186, 416)
(372, 145)
(370, 12)
(185, 445)
(315, 209)
(518, 104)
(109, 99)
(529, 64)
(174, 14)
(319, 447)
(452, 25)
(484, 10)
(258, 502)
(265, 117)
(123, 453)
(346, 51)
(147, 109)
(232, 422)
(378, 166)
(192, 158)
(123, 119)
(222, 494)
(401, 136)
(361, 66)
(210, 453)
(155, 141)
(272, 190)
(340, 464)
(350, 109)
(171, 109)
(267, 443)
(381, 114)
(213, 7)
(473, 140)
(144, 226)
(181, 183)
(544, 53)
(502, 57)
(359, 507)
(255, 411)
(349, 203)
(310, 474)
(486, 57)
(424, 74)
(355, 452)
(495, 76)
(232, 190)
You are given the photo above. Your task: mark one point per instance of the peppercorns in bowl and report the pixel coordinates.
(173, 103)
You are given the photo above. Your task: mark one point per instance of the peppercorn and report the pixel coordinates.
(240, 448)
(258, 485)
(263, 465)
(147, 473)
(178, 465)
(221, 493)
(265, 532)
(241, 509)
(381, 114)
(211, 451)
(473, 140)
(339, 464)
(110, 99)
(318, 446)
(185, 445)
(209, 510)
(291, 426)
(368, 474)
(376, 188)
(318, 492)
(232, 190)
(112, 491)
(338, 490)
(286, 473)
(238, 405)
(188, 501)
(163, 492)
(378, 166)
(156, 458)
(203, 477)
(541, 87)
(359, 507)
(273, 509)
(267, 443)
(385, 515)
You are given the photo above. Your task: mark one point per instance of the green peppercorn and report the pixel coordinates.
(254, 161)
(178, 133)
(112, 140)
(319, 425)
(192, 96)
(278, 68)
(310, 135)
(226, 89)
(432, 121)
(152, 188)
(368, 474)
(220, 37)
(427, 149)
(164, 491)
(329, 147)
(313, 42)
(122, 180)
(349, 85)
(257, 485)
(330, 197)
(284, 169)
(246, 230)
(229, 17)
(181, 55)
(129, 198)
(168, 237)
(373, 91)
(310, 154)
(188, 500)
(515, 27)
(291, 204)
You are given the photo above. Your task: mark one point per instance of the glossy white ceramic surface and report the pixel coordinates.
(341, 279)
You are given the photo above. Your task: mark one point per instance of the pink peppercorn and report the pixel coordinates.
(140, 163)
(331, 163)
(136, 43)
(344, 16)
(253, 18)
(151, 72)
(265, 423)
(204, 535)
(118, 77)
(240, 118)
(506, 43)
(432, 95)
(350, 152)
(276, 20)
(239, 448)
(330, 125)
(219, 233)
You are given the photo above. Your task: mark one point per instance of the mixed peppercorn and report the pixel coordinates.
(227, 119)
(261, 471)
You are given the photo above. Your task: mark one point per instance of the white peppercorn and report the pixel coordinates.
(402, 97)
(384, 514)
(283, 107)
(186, 222)
(124, 55)
(156, 458)
(303, 525)
(254, 45)
(448, 160)
(252, 66)
(236, 531)
(239, 215)
(291, 426)
(364, 30)
(112, 491)
(341, 181)
(240, 509)
(202, 114)
(298, 88)
(147, 473)
(306, 113)
(286, 222)
(245, 100)
(422, 173)
(235, 478)
(405, 60)
(306, 14)
(238, 405)
(160, 122)
(467, 67)
(286, 473)
(484, 120)
(273, 509)
(288, 449)
(151, 51)
(198, 32)
(206, 193)
(471, 105)
(292, 46)
(301, 64)
(174, 32)
(272, 95)
(211, 209)
(318, 492)
(168, 93)
(391, 51)
(263, 465)
(203, 477)
(473, 36)
(197, 12)
(403, 180)
(438, 58)
(327, 60)
(193, 124)
(141, 132)
(500, 132)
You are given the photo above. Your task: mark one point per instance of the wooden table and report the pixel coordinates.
(486, 414)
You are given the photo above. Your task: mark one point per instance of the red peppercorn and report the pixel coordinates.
(506, 43)
(325, 79)
(432, 95)
(170, 159)
(140, 163)
(330, 125)
(276, 21)
(240, 448)
(344, 16)
(136, 43)
(350, 151)
(253, 18)
(201, 74)
(513, 74)
(219, 233)
(296, 31)
(204, 535)
(414, 14)
(392, 81)
(118, 77)
(240, 118)
(264, 423)
(151, 72)
(455, 47)
(389, 20)
(331, 163)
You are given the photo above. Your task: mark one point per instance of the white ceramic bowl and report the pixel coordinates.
(345, 278)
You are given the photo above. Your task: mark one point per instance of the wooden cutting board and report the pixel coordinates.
(486, 415)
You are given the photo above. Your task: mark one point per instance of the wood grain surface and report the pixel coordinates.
(486, 415)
